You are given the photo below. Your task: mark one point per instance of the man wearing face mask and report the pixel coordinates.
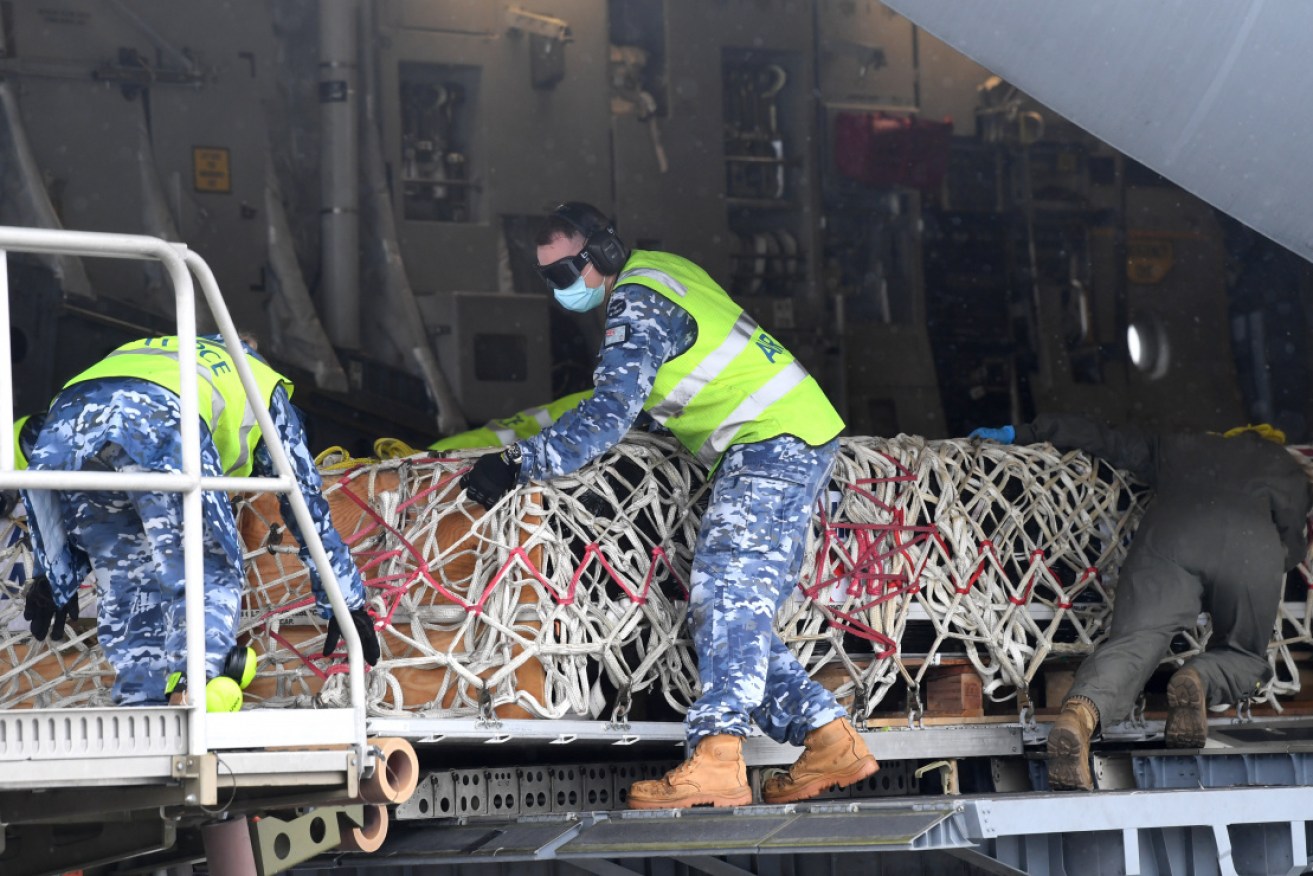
(679, 349)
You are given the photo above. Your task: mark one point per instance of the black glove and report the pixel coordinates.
(364, 628)
(493, 476)
(40, 609)
(9, 500)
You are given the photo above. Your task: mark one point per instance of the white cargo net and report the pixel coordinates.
(569, 599)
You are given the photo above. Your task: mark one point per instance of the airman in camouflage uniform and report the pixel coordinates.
(753, 535)
(134, 539)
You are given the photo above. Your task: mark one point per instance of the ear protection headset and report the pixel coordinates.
(239, 665)
(604, 247)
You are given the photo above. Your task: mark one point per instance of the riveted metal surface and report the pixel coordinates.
(597, 787)
(567, 788)
(503, 791)
(471, 789)
(535, 790)
(420, 804)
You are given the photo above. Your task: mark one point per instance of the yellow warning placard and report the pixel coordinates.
(211, 171)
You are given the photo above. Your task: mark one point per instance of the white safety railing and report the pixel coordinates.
(180, 264)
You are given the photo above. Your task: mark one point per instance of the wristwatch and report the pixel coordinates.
(512, 454)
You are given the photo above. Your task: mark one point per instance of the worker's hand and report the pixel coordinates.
(9, 500)
(493, 476)
(1003, 434)
(40, 610)
(364, 628)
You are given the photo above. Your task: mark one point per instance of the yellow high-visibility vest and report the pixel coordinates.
(222, 400)
(736, 384)
(20, 458)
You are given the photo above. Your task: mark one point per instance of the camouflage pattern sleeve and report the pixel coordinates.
(288, 423)
(82, 421)
(52, 553)
(643, 331)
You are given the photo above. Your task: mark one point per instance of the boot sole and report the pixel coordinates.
(1069, 763)
(867, 766)
(743, 798)
(1187, 720)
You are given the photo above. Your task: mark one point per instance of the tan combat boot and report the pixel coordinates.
(715, 774)
(1069, 745)
(1187, 715)
(833, 755)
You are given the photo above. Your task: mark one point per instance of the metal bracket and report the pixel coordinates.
(861, 701)
(199, 772)
(1136, 718)
(536, 23)
(1244, 711)
(915, 711)
(187, 766)
(280, 844)
(1010, 775)
(487, 717)
(947, 770)
(1113, 772)
(548, 37)
(620, 714)
(1025, 707)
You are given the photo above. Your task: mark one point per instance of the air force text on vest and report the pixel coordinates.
(769, 346)
(211, 353)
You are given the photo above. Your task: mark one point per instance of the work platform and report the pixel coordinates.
(84, 786)
(1244, 804)
(538, 791)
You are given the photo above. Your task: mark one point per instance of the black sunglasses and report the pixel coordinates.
(562, 272)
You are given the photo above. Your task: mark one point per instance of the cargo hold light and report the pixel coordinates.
(1146, 342)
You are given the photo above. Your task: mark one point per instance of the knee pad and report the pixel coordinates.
(239, 665)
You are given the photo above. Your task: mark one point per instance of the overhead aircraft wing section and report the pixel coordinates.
(1213, 96)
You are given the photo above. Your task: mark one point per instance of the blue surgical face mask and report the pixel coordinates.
(579, 296)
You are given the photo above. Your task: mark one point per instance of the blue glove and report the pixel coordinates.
(1003, 434)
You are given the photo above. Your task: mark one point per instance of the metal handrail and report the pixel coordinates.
(180, 263)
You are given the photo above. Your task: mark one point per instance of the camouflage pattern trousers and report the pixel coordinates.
(134, 542)
(749, 556)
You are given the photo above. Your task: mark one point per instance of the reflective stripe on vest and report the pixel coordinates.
(228, 415)
(753, 407)
(739, 338)
(736, 384)
(658, 276)
(217, 403)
